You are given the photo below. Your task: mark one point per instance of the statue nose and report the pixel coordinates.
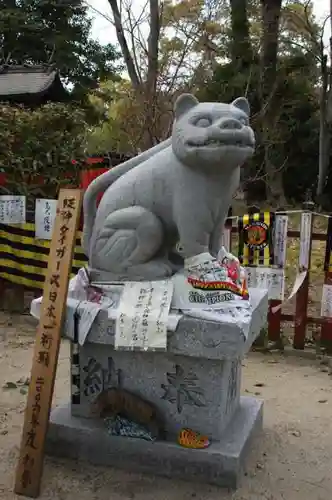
(230, 124)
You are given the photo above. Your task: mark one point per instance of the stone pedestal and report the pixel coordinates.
(195, 384)
(220, 464)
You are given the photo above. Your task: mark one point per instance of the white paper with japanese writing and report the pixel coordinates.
(262, 278)
(87, 313)
(142, 316)
(300, 277)
(251, 277)
(44, 218)
(305, 238)
(12, 209)
(280, 240)
(304, 257)
(271, 279)
(326, 306)
(226, 238)
(240, 315)
(277, 284)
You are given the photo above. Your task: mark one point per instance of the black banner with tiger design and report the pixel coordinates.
(256, 239)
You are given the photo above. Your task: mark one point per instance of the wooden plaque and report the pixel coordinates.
(47, 344)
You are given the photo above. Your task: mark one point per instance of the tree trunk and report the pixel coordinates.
(153, 47)
(325, 119)
(146, 91)
(241, 50)
(134, 77)
(151, 104)
(270, 18)
(324, 156)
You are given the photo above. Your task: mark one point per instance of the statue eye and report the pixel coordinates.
(203, 122)
(243, 120)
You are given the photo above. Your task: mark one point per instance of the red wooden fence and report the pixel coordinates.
(300, 318)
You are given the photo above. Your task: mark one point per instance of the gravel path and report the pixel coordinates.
(291, 461)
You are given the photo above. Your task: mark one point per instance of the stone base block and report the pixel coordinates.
(220, 464)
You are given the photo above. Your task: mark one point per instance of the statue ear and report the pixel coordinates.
(183, 104)
(243, 104)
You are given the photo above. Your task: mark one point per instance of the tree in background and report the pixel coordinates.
(219, 50)
(55, 32)
(41, 143)
(241, 49)
(178, 55)
(122, 130)
(273, 83)
(270, 12)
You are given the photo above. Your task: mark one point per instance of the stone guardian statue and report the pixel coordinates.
(177, 191)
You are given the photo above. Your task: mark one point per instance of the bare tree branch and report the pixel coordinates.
(134, 77)
(99, 12)
(179, 65)
(132, 24)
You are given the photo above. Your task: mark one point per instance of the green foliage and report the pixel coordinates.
(295, 139)
(56, 31)
(119, 130)
(125, 126)
(298, 127)
(40, 142)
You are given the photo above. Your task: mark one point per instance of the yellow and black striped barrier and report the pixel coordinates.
(23, 258)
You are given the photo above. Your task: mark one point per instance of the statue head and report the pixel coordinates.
(212, 135)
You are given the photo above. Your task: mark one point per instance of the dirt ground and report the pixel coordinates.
(292, 460)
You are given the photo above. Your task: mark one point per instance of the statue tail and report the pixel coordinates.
(101, 183)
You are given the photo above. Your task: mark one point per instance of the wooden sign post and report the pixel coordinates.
(46, 351)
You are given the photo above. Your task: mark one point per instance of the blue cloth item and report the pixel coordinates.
(120, 426)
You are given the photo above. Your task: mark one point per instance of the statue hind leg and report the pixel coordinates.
(126, 246)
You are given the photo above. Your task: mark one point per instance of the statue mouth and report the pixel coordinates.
(217, 143)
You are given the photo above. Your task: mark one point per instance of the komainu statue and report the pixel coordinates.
(177, 191)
